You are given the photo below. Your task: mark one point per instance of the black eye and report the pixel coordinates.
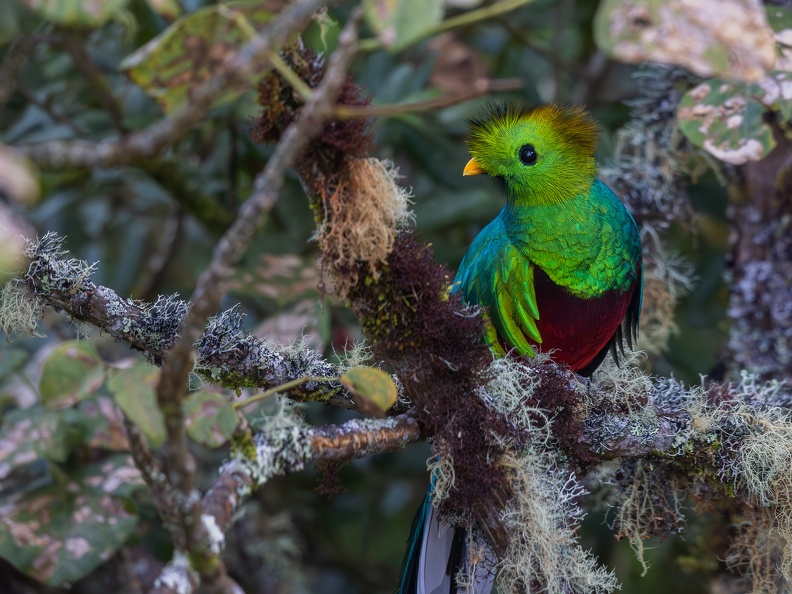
(528, 154)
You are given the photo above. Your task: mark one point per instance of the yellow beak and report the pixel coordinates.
(472, 168)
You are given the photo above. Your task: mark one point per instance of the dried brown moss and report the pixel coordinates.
(363, 229)
(434, 343)
(280, 104)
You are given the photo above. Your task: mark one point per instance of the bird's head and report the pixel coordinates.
(544, 154)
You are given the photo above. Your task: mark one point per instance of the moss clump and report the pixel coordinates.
(434, 343)
(280, 105)
(19, 310)
(363, 229)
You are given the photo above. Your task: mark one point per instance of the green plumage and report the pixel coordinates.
(560, 220)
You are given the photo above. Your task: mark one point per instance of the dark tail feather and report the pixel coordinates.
(620, 340)
(456, 557)
(409, 573)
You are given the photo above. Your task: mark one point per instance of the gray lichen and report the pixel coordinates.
(279, 447)
(761, 300)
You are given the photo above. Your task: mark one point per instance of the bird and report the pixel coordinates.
(559, 270)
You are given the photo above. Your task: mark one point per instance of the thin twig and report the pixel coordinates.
(481, 87)
(291, 76)
(208, 292)
(285, 387)
(153, 474)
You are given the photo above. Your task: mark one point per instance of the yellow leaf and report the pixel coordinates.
(373, 389)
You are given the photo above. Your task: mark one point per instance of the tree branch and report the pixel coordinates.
(276, 453)
(179, 360)
(481, 87)
(227, 354)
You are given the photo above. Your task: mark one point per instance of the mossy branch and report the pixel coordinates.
(282, 447)
(226, 353)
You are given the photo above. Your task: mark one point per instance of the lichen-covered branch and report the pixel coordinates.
(282, 448)
(479, 88)
(287, 447)
(153, 474)
(226, 353)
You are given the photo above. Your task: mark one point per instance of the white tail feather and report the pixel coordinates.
(438, 537)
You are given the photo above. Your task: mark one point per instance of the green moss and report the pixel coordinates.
(242, 446)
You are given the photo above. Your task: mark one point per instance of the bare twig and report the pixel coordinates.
(481, 87)
(153, 474)
(239, 71)
(206, 297)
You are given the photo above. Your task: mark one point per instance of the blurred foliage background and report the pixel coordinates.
(152, 226)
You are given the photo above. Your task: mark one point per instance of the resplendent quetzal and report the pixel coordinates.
(559, 269)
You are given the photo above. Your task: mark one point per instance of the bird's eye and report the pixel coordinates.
(528, 155)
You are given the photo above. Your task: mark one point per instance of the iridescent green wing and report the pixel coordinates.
(496, 275)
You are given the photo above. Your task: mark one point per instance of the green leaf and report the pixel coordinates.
(211, 420)
(77, 13)
(133, 389)
(30, 434)
(101, 424)
(399, 23)
(188, 53)
(62, 532)
(72, 372)
(727, 120)
(728, 38)
(779, 18)
(373, 389)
